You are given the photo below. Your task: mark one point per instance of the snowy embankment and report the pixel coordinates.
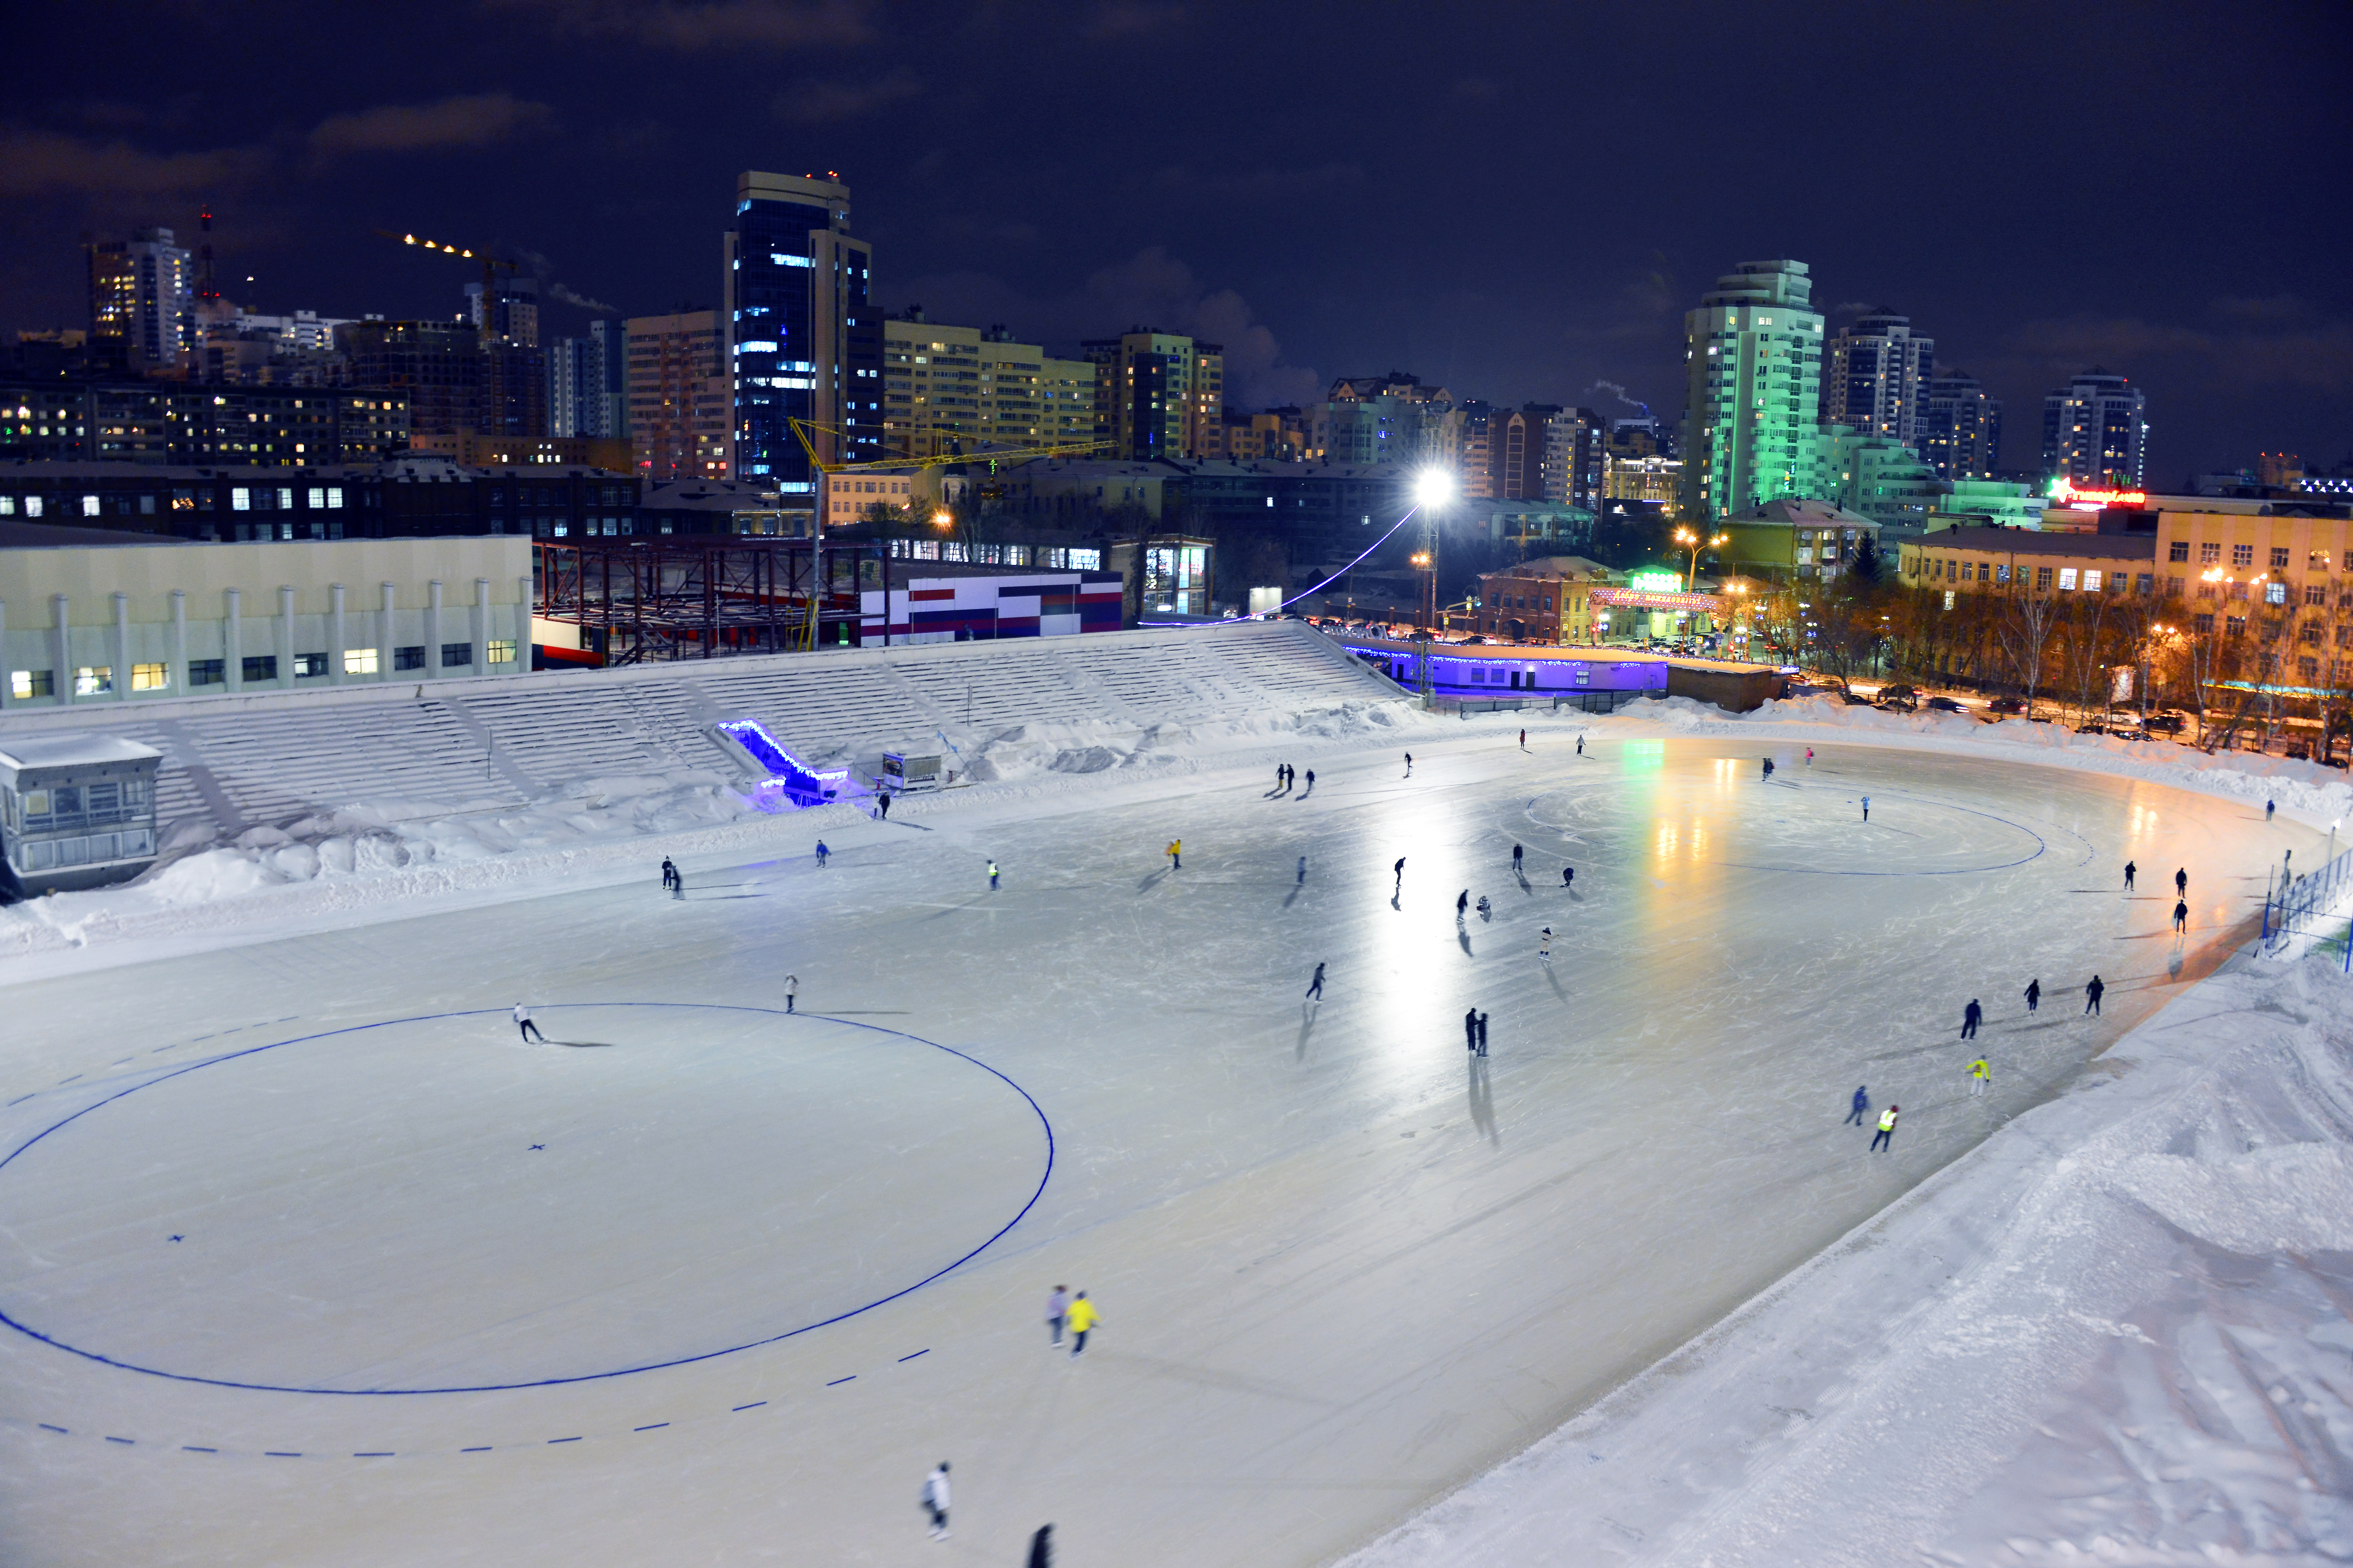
(372, 855)
(2116, 1333)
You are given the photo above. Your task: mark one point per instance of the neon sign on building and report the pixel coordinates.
(2065, 494)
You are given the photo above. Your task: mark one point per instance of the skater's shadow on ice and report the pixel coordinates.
(1483, 1104)
(1395, 903)
(1306, 1026)
(1292, 899)
(1555, 981)
(584, 1045)
(1463, 937)
(1153, 880)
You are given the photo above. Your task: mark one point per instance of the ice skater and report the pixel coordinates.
(2092, 995)
(1569, 876)
(935, 1500)
(2181, 883)
(1471, 1031)
(1768, 767)
(1303, 872)
(822, 852)
(1861, 1106)
(1580, 745)
(1524, 740)
(1980, 1075)
(669, 875)
(1315, 987)
(2269, 806)
(1487, 910)
(529, 1031)
(1461, 905)
(791, 990)
(1517, 854)
(1058, 1307)
(1886, 1138)
(1544, 947)
(1866, 808)
(1310, 784)
(1399, 869)
(1971, 1016)
(1082, 1322)
(992, 875)
(2129, 869)
(1408, 764)
(882, 802)
(1175, 854)
(1810, 756)
(2034, 994)
(2181, 916)
(1482, 1034)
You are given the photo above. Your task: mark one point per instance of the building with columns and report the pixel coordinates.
(92, 616)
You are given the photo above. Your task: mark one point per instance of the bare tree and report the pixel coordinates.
(2030, 615)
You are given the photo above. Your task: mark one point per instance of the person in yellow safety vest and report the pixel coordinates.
(1176, 854)
(1082, 1322)
(1980, 1074)
(1886, 1130)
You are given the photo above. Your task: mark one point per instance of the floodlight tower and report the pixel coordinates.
(1431, 490)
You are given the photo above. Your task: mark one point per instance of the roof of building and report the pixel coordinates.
(17, 535)
(1998, 541)
(1550, 567)
(72, 751)
(707, 495)
(1799, 512)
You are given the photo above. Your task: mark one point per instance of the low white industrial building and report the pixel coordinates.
(92, 616)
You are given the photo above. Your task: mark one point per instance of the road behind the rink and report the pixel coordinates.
(1341, 1268)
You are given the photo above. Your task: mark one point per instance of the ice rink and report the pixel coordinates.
(309, 1261)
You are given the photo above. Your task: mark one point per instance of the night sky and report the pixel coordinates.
(1517, 200)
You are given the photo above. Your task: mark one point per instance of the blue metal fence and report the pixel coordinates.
(2296, 907)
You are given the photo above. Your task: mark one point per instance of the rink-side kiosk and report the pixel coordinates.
(76, 811)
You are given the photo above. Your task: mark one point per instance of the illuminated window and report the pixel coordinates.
(24, 685)
(359, 661)
(93, 680)
(2274, 593)
(2066, 578)
(2091, 581)
(241, 499)
(309, 666)
(89, 506)
(502, 651)
(149, 677)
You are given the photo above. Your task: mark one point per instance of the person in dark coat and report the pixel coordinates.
(1315, 988)
(2033, 995)
(1482, 1034)
(2091, 994)
(1041, 1547)
(1471, 1031)
(2181, 883)
(1971, 1016)
(1861, 1105)
(2181, 917)
(2129, 869)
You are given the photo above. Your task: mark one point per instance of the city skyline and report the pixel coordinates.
(1263, 220)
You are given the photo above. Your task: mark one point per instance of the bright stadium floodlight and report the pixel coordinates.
(1433, 487)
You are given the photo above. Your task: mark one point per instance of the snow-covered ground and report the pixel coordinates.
(1343, 1271)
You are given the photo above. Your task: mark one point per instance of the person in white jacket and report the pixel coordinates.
(936, 1500)
(792, 989)
(523, 1022)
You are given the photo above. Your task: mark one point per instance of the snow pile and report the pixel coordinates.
(2116, 1332)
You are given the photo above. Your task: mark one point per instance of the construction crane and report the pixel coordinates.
(804, 429)
(491, 267)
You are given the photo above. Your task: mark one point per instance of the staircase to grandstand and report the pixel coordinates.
(235, 763)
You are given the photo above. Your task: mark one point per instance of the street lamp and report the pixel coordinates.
(1692, 543)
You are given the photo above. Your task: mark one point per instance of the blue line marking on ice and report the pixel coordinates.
(191, 1449)
(63, 1081)
(552, 1441)
(1045, 1124)
(925, 1351)
(655, 1427)
(277, 1454)
(20, 1100)
(375, 1454)
(47, 1428)
(484, 1450)
(838, 1382)
(2040, 847)
(754, 1405)
(126, 1442)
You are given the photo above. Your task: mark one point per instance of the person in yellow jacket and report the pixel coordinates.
(1176, 854)
(1886, 1131)
(1080, 1322)
(1980, 1075)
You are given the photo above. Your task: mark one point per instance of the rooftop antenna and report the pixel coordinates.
(206, 289)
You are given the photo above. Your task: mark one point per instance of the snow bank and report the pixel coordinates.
(2116, 1332)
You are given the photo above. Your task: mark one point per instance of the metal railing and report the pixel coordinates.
(2295, 908)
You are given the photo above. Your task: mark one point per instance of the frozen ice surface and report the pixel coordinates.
(1343, 1269)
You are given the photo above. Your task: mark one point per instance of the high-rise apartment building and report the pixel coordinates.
(2095, 432)
(1516, 438)
(440, 367)
(141, 291)
(802, 343)
(1391, 418)
(588, 383)
(964, 389)
(1753, 355)
(1877, 378)
(1576, 447)
(1462, 439)
(1960, 427)
(682, 401)
(1157, 394)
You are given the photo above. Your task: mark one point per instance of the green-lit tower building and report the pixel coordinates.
(1754, 350)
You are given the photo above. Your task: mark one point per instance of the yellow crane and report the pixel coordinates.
(491, 267)
(804, 429)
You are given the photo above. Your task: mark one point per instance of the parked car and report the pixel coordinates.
(1946, 705)
(2163, 723)
(2007, 705)
(2299, 753)
(1904, 698)
(1852, 700)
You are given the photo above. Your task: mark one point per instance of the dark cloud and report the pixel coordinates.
(721, 24)
(46, 164)
(810, 102)
(472, 121)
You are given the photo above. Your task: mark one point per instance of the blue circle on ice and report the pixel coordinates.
(426, 1205)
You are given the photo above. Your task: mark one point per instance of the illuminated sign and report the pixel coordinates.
(1644, 598)
(2067, 495)
(1656, 581)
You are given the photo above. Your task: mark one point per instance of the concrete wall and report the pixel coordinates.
(169, 606)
